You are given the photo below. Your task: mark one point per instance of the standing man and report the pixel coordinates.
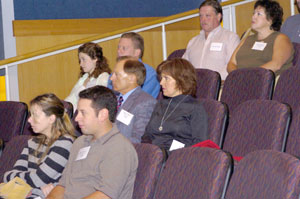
(213, 47)
(134, 105)
(102, 162)
(291, 26)
(132, 44)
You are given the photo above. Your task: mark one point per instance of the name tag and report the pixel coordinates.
(125, 117)
(216, 46)
(176, 145)
(82, 154)
(259, 46)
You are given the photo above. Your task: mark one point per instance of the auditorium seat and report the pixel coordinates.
(247, 84)
(265, 174)
(293, 139)
(11, 153)
(208, 84)
(176, 53)
(287, 89)
(256, 125)
(194, 172)
(296, 60)
(12, 119)
(217, 113)
(68, 107)
(150, 164)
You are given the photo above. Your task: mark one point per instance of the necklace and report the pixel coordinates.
(160, 128)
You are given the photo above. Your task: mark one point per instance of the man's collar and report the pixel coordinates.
(217, 29)
(103, 139)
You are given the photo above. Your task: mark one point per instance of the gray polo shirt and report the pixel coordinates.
(109, 166)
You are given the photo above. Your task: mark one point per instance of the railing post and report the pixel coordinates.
(7, 88)
(292, 7)
(164, 42)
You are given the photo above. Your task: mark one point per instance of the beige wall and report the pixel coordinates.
(59, 73)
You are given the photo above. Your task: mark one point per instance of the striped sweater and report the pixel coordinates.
(50, 168)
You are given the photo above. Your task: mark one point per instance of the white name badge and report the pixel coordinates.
(216, 46)
(82, 154)
(125, 117)
(176, 145)
(259, 46)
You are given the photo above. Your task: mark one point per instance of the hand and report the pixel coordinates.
(47, 189)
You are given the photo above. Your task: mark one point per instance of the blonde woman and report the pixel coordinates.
(43, 159)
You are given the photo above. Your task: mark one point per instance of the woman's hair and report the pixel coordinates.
(52, 105)
(183, 72)
(273, 11)
(94, 51)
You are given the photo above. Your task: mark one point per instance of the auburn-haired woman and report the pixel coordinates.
(94, 70)
(180, 117)
(43, 159)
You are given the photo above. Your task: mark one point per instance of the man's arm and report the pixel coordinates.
(97, 195)
(142, 117)
(57, 193)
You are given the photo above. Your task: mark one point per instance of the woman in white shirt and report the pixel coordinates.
(94, 70)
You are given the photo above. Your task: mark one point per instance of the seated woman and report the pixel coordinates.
(267, 48)
(43, 159)
(180, 117)
(94, 70)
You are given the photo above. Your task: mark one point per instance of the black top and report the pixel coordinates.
(187, 124)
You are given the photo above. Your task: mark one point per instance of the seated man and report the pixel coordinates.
(213, 47)
(135, 105)
(132, 44)
(291, 26)
(102, 162)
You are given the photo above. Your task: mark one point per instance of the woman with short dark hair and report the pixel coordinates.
(267, 48)
(180, 117)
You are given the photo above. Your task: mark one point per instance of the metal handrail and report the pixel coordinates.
(5, 64)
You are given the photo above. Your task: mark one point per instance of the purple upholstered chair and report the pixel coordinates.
(150, 164)
(217, 113)
(11, 153)
(12, 119)
(293, 139)
(247, 84)
(287, 89)
(208, 84)
(194, 172)
(265, 174)
(68, 107)
(176, 53)
(296, 60)
(256, 125)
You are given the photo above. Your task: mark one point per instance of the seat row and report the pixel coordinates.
(205, 173)
(208, 174)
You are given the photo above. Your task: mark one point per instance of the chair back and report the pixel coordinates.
(194, 172)
(217, 113)
(12, 119)
(150, 164)
(208, 84)
(247, 84)
(256, 125)
(296, 60)
(176, 54)
(11, 153)
(287, 89)
(265, 174)
(293, 139)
